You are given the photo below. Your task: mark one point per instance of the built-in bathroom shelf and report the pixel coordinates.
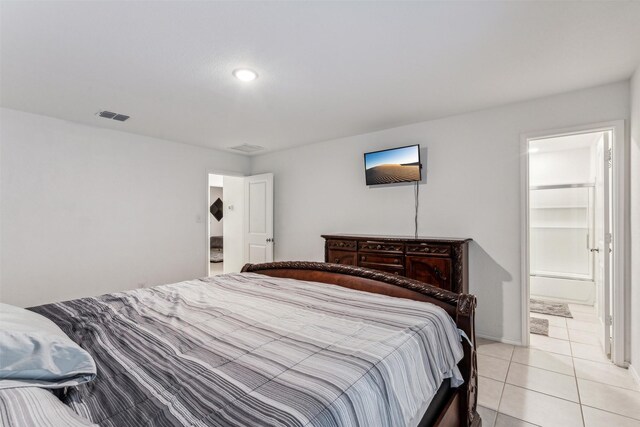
(569, 227)
(560, 207)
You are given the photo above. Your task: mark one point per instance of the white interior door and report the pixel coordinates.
(602, 239)
(233, 223)
(259, 218)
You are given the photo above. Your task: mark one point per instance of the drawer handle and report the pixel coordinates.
(337, 261)
(363, 258)
(439, 274)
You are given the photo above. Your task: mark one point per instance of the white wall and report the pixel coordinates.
(85, 210)
(215, 226)
(634, 304)
(573, 166)
(472, 189)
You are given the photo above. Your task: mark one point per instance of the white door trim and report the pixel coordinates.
(206, 215)
(619, 282)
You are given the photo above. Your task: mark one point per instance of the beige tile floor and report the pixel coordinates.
(563, 380)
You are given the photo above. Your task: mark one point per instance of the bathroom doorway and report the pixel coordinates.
(573, 290)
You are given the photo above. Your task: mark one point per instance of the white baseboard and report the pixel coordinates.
(634, 373)
(501, 339)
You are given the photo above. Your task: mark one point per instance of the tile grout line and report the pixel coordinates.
(511, 361)
(605, 363)
(613, 413)
(504, 385)
(575, 374)
(575, 377)
(535, 391)
(547, 394)
(609, 385)
(571, 349)
(547, 370)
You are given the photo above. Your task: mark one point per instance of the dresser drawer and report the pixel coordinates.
(373, 246)
(433, 270)
(387, 268)
(342, 257)
(428, 249)
(376, 258)
(377, 261)
(342, 244)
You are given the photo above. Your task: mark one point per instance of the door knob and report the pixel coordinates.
(594, 250)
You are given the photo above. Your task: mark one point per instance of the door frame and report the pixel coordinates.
(206, 215)
(618, 199)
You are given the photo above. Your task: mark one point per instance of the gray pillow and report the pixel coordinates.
(35, 352)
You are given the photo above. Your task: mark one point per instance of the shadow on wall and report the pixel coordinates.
(487, 281)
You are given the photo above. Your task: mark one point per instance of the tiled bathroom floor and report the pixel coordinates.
(562, 380)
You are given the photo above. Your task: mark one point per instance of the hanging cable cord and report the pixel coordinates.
(417, 193)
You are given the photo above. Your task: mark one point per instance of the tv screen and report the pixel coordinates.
(391, 166)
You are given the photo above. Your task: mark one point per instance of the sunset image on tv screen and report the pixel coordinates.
(391, 166)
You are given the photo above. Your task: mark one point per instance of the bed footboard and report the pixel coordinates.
(461, 409)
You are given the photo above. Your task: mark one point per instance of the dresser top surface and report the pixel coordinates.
(391, 238)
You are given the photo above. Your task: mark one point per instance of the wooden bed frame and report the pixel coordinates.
(459, 408)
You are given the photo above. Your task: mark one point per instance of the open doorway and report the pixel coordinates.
(574, 286)
(216, 218)
(240, 225)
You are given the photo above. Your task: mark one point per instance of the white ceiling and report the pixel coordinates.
(327, 69)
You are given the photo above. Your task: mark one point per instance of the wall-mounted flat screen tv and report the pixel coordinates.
(391, 166)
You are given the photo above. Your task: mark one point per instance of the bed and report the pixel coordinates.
(283, 344)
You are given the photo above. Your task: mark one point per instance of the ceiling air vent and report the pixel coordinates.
(246, 148)
(114, 116)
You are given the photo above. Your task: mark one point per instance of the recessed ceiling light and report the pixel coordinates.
(245, 74)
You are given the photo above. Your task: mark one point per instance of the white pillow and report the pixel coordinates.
(35, 352)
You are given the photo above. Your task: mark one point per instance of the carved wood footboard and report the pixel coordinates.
(460, 408)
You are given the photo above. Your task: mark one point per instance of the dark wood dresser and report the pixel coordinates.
(440, 262)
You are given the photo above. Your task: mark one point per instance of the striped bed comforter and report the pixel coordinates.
(250, 350)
